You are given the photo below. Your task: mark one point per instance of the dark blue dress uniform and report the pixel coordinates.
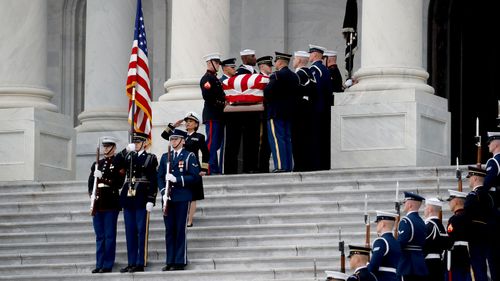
(140, 187)
(279, 101)
(362, 274)
(436, 243)
(107, 207)
(336, 80)
(411, 238)
(213, 116)
(385, 257)
(186, 170)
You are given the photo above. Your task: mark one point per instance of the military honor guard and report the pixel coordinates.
(358, 258)
(330, 58)
(137, 197)
(228, 69)
(248, 60)
(213, 110)
(479, 208)
(265, 65)
(436, 240)
(492, 184)
(458, 258)
(184, 176)
(107, 182)
(386, 250)
(411, 238)
(321, 108)
(195, 143)
(335, 276)
(279, 101)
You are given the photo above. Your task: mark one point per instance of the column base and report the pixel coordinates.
(37, 145)
(182, 89)
(103, 120)
(401, 127)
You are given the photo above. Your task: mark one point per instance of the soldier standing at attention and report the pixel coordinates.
(184, 176)
(265, 65)
(107, 206)
(457, 231)
(279, 101)
(386, 249)
(358, 258)
(213, 109)
(436, 240)
(411, 238)
(228, 69)
(137, 197)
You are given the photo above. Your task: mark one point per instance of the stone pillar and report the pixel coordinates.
(109, 36)
(391, 117)
(37, 143)
(207, 23)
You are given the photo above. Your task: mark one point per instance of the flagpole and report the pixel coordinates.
(132, 128)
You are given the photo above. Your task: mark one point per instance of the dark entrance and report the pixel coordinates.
(463, 63)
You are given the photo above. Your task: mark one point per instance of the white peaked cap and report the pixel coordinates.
(316, 47)
(336, 275)
(247, 52)
(434, 201)
(108, 139)
(329, 53)
(455, 193)
(301, 54)
(212, 56)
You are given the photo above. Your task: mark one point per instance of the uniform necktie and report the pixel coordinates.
(175, 155)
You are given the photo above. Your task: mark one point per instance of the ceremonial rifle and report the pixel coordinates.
(342, 252)
(397, 207)
(168, 189)
(440, 215)
(95, 196)
(131, 188)
(478, 144)
(367, 224)
(459, 177)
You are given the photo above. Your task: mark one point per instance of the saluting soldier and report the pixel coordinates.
(358, 258)
(279, 101)
(411, 238)
(479, 208)
(184, 176)
(457, 231)
(213, 110)
(386, 249)
(335, 276)
(436, 240)
(137, 198)
(107, 205)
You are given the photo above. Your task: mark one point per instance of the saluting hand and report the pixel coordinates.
(178, 123)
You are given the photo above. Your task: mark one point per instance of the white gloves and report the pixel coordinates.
(348, 83)
(130, 147)
(149, 207)
(171, 178)
(165, 197)
(98, 174)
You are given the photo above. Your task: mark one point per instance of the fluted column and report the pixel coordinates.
(23, 78)
(110, 27)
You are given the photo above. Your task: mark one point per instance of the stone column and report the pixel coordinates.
(198, 27)
(391, 117)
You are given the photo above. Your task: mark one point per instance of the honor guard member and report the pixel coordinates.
(279, 102)
(321, 108)
(195, 142)
(492, 184)
(228, 69)
(436, 240)
(358, 258)
(335, 76)
(265, 65)
(335, 276)
(458, 255)
(107, 206)
(479, 208)
(302, 115)
(411, 238)
(248, 60)
(137, 198)
(184, 176)
(386, 250)
(214, 97)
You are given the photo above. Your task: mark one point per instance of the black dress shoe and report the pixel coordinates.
(138, 268)
(167, 267)
(105, 270)
(96, 270)
(126, 269)
(178, 267)
(190, 225)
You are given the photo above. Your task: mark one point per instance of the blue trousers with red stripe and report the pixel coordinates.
(215, 136)
(105, 238)
(280, 142)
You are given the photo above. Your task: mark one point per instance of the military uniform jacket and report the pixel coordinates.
(186, 170)
(362, 274)
(479, 208)
(279, 94)
(108, 186)
(492, 179)
(457, 231)
(336, 80)
(411, 238)
(436, 240)
(193, 143)
(245, 69)
(211, 90)
(306, 89)
(143, 180)
(321, 77)
(385, 257)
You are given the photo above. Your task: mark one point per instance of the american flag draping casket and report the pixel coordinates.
(245, 89)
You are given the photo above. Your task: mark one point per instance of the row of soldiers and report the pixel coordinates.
(295, 100)
(467, 249)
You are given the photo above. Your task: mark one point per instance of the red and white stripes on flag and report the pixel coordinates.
(245, 88)
(138, 78)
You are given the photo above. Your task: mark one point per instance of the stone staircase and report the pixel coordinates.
(249, 227)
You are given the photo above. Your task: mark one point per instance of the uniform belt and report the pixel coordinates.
(413, 248)
(387, 269)
(102, 185)
(305, 98)
(493, 189)
(461, 243)
(144, 180)
(433, 256)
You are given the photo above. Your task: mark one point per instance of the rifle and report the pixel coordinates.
(169, 188)
(95, 196)
(459, 177)
(440, 215)
(131, 181)
(477, 138)
(342, 253)
(367, 224)
(397, 207)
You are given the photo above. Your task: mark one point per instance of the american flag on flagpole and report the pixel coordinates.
(138, 78)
